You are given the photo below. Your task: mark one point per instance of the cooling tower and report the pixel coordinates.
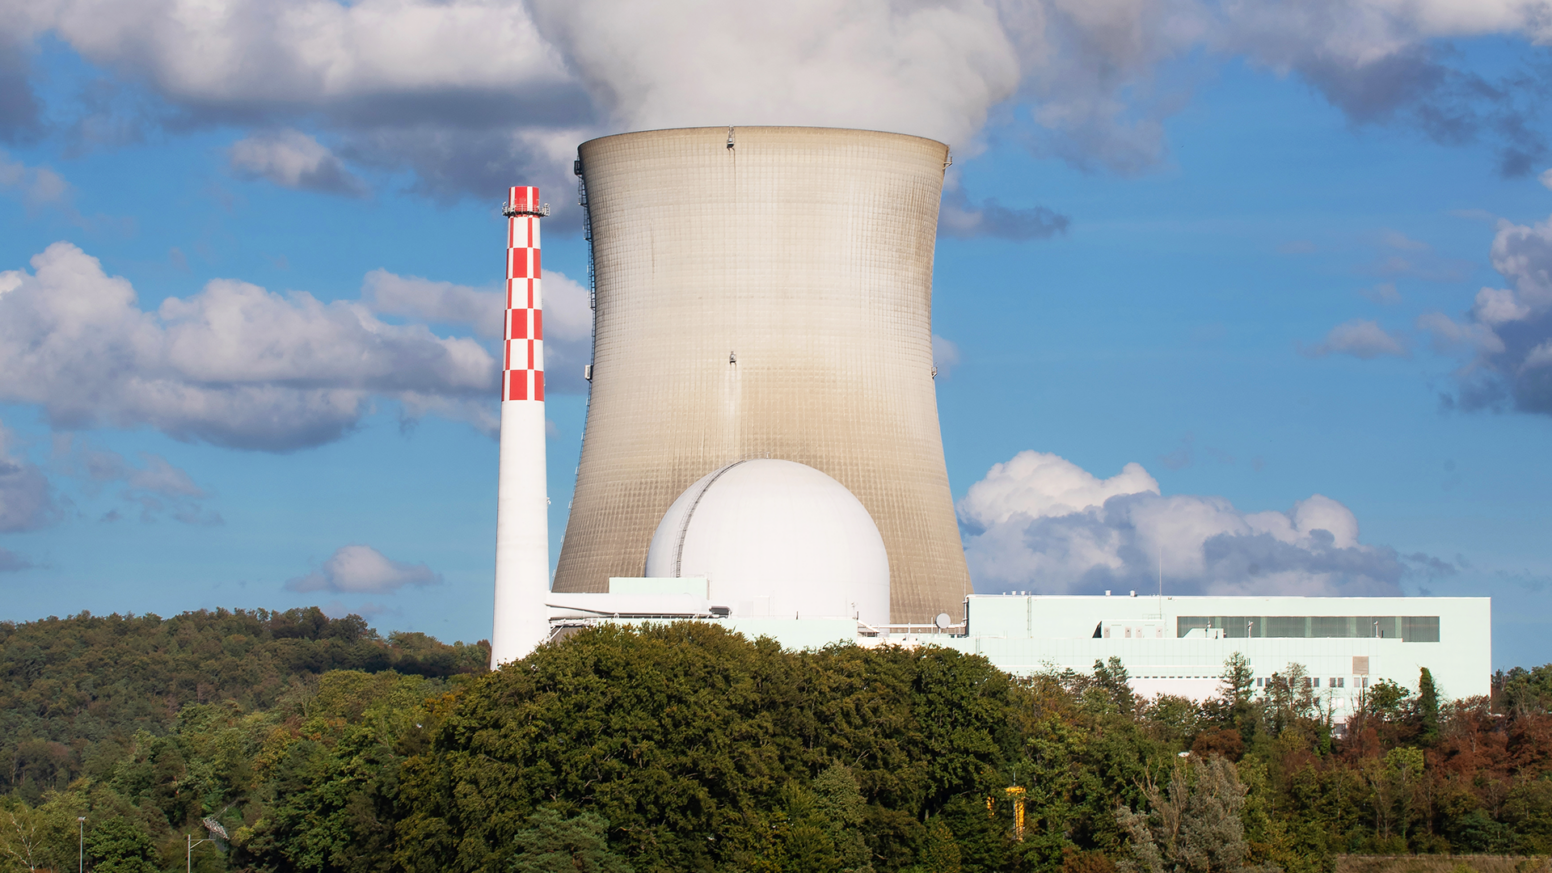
(764, 292)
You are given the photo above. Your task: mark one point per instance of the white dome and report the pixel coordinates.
(778, 539)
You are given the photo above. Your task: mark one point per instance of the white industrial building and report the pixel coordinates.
(1177, 645)
(1170, 645)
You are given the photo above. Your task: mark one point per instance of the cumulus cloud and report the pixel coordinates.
(1360, 338)
(155, 486)
(36, 187)
(470, 94)
(19, 108)
(568, 317)
(10, 562)
(234, 365)
(1383, 63)
(357, 569)
(26, 499)
(1506, 336)
(1384, 293)
(1039, 522)
(292, 159)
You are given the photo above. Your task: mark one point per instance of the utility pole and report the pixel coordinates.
(80, 860)
(188, 855)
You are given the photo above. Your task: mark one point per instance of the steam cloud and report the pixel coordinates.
(468, 93)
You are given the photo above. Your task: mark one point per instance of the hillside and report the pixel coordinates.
(77, 690)
(316, 745)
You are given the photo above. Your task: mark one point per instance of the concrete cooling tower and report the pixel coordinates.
(764, 292)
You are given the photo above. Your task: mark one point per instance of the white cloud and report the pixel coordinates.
(433, 301)
(1384, 292)
(37, 186)
(1546, 179)
(1039, 485)
(233, 365)
(155, 485)
(1039, 522)
(1495, 306)
(470, 94)
(1506, 337)
(26, 499)
(568, 316)
(357, 569)
(1523, 254)
(11, 562)
(1360, 338)
(1397, 240)
(292, 159)
(933, 69)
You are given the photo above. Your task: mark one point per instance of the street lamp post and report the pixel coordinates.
(80, 848)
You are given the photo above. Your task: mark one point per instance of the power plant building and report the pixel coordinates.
(764, 293)
(762, 446)
(1169, 645)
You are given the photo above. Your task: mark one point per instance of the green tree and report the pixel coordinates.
(120, 845)
(1111, 677)
(25, 838)
(553, 843)
(1427, 709)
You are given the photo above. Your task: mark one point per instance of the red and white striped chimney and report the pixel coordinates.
(522, 517)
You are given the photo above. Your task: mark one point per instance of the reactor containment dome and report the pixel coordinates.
(776, 539)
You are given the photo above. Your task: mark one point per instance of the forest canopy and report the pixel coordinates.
(317, 745)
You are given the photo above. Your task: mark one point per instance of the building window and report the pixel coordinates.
(1407, 628)
(1317, 681)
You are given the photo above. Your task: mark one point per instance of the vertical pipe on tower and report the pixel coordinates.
(522, 525)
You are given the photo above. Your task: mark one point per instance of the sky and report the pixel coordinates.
(1253, 295)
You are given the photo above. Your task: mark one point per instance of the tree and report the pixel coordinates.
(1427, 709)
(1112, 678)
(1290, 699)
(1388, 700)
(24, 839)
(553, 843)
(1193, 824)
(119, 845)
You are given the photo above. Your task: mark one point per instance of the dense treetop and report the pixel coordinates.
(318, 746)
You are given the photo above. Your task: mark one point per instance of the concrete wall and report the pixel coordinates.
(807, 255)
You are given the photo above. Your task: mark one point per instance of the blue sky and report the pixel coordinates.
(1191, 203)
